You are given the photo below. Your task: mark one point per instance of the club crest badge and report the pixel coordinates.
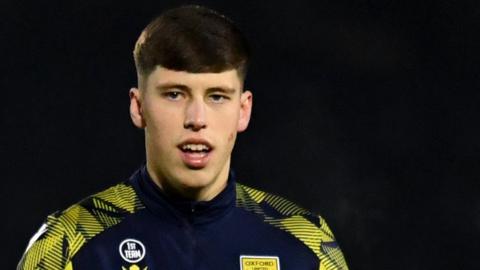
(134, 267)
(259, 262)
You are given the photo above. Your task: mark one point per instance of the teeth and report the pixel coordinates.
(195, 147)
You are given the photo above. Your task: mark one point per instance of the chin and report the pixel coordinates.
(195, 179)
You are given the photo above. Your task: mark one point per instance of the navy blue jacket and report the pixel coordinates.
(135, 226)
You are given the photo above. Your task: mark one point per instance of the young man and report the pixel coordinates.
(183, 209)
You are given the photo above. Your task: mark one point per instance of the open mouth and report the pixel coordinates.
(195, 153)
(195, 148)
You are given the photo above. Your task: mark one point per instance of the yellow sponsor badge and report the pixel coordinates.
(259, 263)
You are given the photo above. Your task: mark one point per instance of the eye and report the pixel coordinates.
(217, 98)
(173, 95)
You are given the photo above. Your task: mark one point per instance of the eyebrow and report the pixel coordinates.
(168, 85)
(164, 86)
(226, 90)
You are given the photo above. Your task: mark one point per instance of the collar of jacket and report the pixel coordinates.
(180, 209)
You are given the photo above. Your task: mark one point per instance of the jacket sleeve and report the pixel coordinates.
(330, 254)
(48, 248)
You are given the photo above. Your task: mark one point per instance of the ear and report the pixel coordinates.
(136, 111)
(246, 102)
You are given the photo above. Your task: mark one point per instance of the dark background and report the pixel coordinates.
(365, 111)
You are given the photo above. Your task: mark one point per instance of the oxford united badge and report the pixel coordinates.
(259, 262)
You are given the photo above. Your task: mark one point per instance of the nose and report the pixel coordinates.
(195, 116)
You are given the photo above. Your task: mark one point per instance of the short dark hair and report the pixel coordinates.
(194, 39)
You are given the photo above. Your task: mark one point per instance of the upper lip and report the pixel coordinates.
(195, 141)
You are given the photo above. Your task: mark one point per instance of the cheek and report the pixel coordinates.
(163, 127)
(162, 117)
(231, 136)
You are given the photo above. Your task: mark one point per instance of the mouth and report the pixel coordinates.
(195, 153)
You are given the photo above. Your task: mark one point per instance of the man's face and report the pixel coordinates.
(191, 121)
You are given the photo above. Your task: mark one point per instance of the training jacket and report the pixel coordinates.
(135, 226)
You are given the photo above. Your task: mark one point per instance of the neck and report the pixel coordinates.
(173, 188)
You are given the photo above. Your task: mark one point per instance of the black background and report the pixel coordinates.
(364, 111)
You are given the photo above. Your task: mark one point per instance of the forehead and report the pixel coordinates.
(225, 79)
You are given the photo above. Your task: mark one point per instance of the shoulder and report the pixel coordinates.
(64, 233)
(309, 228)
